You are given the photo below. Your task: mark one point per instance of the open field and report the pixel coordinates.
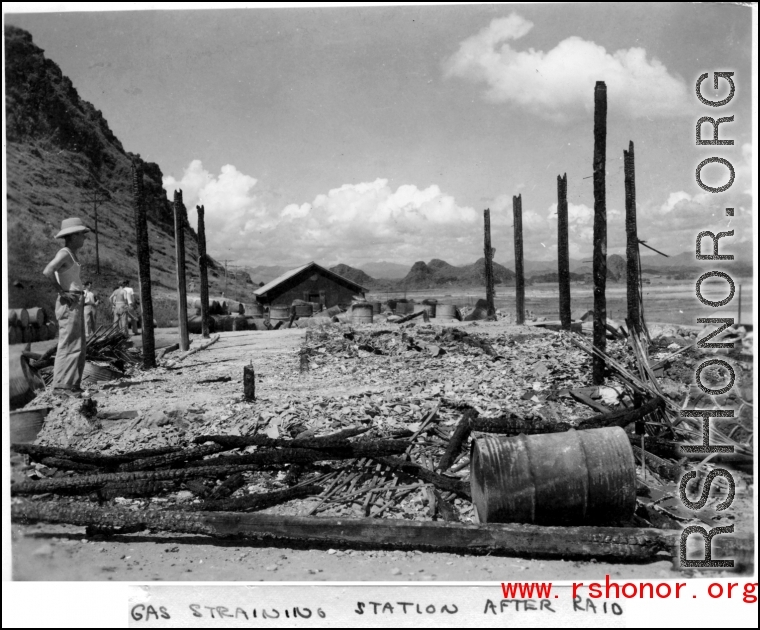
(664, 301)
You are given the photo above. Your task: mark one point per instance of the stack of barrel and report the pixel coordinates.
(27, 325)
(224, 315)
(434, 309)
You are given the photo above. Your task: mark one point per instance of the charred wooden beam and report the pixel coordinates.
(458, 438)
(519, 271)
(337, 439)
(563, 253)
(84, 483)
(632, 241)
(623, 417)
(488, 263)
(512, 424)
(172, 459)
(277, 456)
(249, 383)
(38, 452)
(623, 544)
(600, 229)
(143, 267)
(179, 246)
(203, 271)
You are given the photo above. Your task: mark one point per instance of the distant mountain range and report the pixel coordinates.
(439, 273)
(383, 269)
(390, 273)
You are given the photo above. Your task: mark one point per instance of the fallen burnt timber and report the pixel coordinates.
(215, 467)
(620, 544)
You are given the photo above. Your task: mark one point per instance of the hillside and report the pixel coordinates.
(59, 148)
(355, 275)
(439, 273)
(384, 269)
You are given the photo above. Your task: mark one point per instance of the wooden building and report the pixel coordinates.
(311, 283)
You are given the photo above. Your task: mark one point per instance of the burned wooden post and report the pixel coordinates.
(563, 253)
(488, 263)
(600, 229)
(143, 267)
(249, 383)
(179, 246)
(632, 240)
(203, 270)
(519, 273)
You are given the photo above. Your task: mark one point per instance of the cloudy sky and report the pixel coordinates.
(360, 134)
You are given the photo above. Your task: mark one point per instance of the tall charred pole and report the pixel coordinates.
(203, 270)
(143, 267)
(488, 251)
(632, 240)
(519, 272)
(563, 253)
(600, 229)
(179, 246)
(96, 197)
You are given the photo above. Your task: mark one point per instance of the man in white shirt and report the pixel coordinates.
(131, 303)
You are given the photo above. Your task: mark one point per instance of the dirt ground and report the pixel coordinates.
(63, 552)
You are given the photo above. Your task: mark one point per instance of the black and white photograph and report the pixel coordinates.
(411, 295)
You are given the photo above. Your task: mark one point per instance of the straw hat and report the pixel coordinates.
(71, 226)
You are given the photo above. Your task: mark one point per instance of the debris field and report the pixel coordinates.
(370, 421)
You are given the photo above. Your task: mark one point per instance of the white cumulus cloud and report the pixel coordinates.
(353, 223)
(559, 84)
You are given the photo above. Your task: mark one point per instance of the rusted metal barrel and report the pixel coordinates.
(303, 310)
(257, 323)
(554, 479)
(279, 314)
(195, 324)
(239, 323)
(23, 382)
(25, 424)
(361, 313)
(21, 317)
(430, 308)
(36, 316)
(446, 311)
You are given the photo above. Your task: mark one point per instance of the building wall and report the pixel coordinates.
(314, 283)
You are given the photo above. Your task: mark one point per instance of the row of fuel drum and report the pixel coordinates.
(230, 315)
(27, 325)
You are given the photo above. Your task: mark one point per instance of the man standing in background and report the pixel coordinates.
(118, 301)
(90, 302)
(131, 311)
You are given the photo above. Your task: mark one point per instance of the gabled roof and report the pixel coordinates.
(294, 272)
